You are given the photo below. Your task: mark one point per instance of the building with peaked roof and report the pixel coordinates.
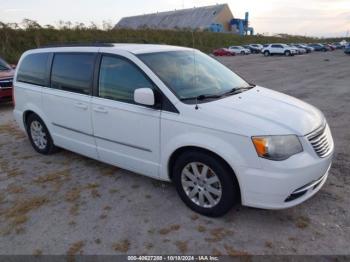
(214, 18)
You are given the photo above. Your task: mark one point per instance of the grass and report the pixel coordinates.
(11, 129)
(167, 230)
(75, 248)
(17, 214)
(73, 195)
(182, 246)
(122, 246)
(53, 177)
(218, 234)
(302, 222)
(13, 189)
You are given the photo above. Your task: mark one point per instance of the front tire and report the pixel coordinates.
(39, 135)
(266, 53)
(287, 53)
(205, 183)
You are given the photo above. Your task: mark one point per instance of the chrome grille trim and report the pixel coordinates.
(320, 141)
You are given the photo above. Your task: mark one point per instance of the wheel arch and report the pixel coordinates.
(183, 149)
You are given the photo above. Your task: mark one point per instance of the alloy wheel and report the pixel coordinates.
(38, 134)
(201, 185)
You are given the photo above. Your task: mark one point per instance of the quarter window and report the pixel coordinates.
(119, 78)
(33, 69)
(73, 72)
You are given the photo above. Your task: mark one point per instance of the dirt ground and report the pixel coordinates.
(69, 204)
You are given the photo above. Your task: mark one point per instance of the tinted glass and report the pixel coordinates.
(191, 73)
(4, 66)
(119, 78)
(33, 69)
(276, 46)
(73, 72)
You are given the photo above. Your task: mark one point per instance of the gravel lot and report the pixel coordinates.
(69, 204)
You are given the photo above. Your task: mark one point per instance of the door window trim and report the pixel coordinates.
(162, 102)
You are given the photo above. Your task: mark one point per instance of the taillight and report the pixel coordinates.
(13, 95)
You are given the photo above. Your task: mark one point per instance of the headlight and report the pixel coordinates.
(277, 147)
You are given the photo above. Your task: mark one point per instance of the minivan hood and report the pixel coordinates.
(261, 111)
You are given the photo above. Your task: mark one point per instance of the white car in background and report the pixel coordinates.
(239, 50)
(219, 139)
(278, 49)
(300, 50)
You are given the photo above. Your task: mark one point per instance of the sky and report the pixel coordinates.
(322, 18)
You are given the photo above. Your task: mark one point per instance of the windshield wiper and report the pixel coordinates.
(200, 97)
(236, 90)
(209, 96)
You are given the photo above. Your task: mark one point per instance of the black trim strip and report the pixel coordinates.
(116, 142)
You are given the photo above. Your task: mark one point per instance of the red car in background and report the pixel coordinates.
(6, 79)
(223, 52)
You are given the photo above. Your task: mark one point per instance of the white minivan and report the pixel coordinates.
(175, 114)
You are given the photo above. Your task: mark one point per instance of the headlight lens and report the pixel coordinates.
(277, 147)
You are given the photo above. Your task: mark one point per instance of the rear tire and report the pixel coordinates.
(205, 183)
(287, 53)
(39, 135)
(242, 53)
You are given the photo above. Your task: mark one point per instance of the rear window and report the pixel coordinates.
(33, 69)
(73, 72)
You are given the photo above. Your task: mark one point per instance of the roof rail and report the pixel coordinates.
(95, 44)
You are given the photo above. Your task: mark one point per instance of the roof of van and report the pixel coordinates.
(132, 48)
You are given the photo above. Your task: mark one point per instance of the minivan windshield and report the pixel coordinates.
(192, 74)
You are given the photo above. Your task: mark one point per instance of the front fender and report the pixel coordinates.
(236, 150)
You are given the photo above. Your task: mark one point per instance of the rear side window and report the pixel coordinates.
(33, 69)
(119, 78)
(73, 72)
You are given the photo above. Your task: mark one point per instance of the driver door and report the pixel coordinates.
(127, 134)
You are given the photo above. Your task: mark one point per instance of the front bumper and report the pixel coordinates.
(283, 184)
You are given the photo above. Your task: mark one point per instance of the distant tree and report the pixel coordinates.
(48, 26)
(79, 26)
(107, 25)
(13, 25)
(93, 25)
(3, 25)
(30, 24)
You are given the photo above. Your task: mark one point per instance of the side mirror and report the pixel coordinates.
(144, 96)
(13, 66)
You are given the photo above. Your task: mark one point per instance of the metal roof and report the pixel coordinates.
(197, 17)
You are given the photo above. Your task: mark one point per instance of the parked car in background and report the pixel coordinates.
(6, 80)
(239, 50)
(223, 52)
(300, 50)
(329, 47)
(338, 46)
(219, 139)
(279, 49)
(347, 50)
(253, 48)
(318, 47)
(308, 49)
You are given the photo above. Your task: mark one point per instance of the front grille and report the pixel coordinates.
(319, 140)
(6, 83)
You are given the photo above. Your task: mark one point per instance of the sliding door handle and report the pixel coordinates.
(100, 110)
